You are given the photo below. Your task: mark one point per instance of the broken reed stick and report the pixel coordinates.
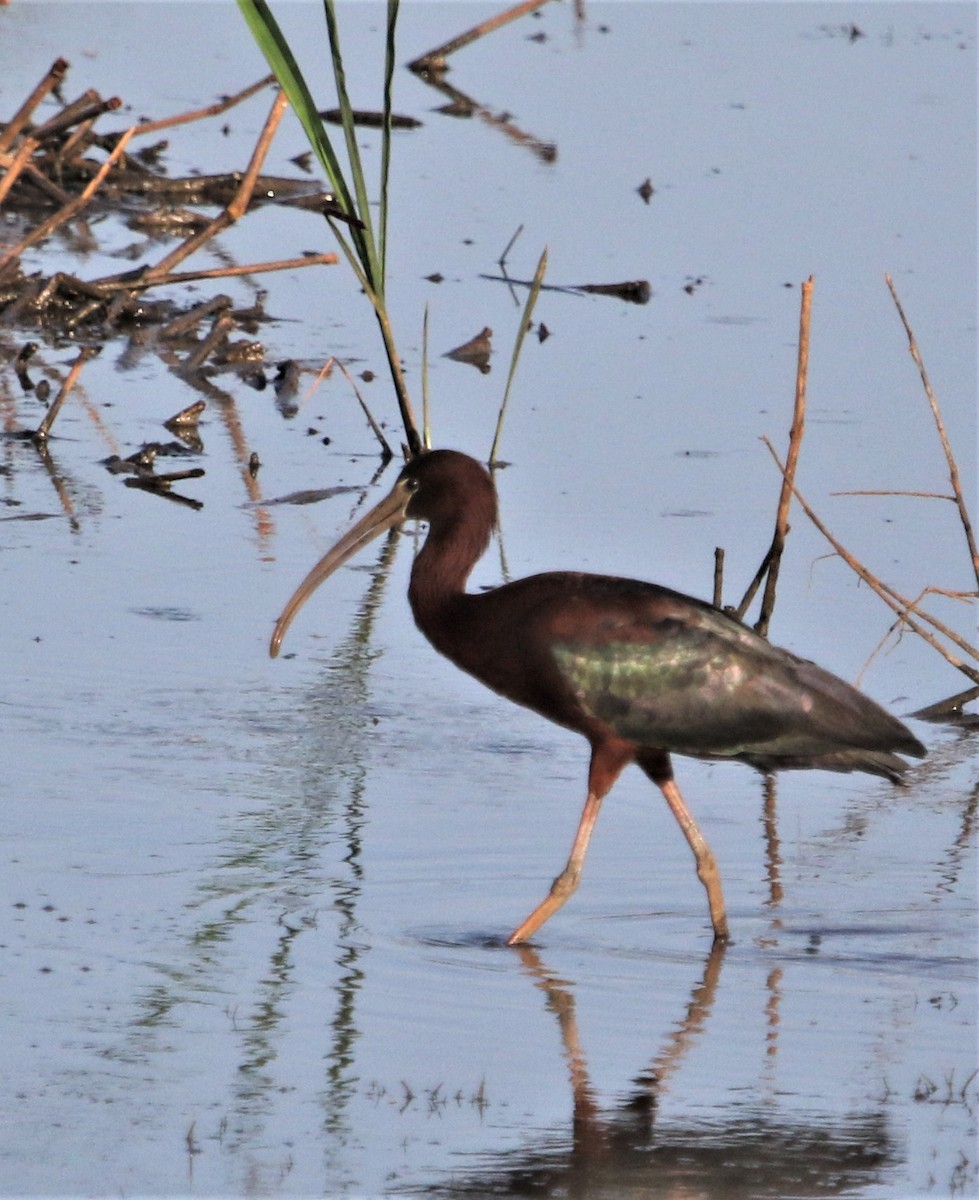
(769, 568)
(200, 114)
(894, 492)
(894, 600)
(232, 211)
(23, 114)
(386, 452)
(718, 576)
(17, 164)
(792, 461)
(74, 206)
(77, 139)
(953, 469)
(329, 258)
(947, 707)
(434, 60)
(426, 390)
(221, 326)
(87, 107)
(42, 431)
(241, 201)
(915, 606)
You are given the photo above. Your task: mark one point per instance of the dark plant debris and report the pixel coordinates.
(370, 118)
(61, 175)
(635, 291)
(476, 351)
(58, 174)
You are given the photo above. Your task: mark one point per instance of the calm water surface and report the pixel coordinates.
(251, 912)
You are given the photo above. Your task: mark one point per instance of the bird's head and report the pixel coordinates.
(437, 486)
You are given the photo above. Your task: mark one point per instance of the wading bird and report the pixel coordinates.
(641, 671)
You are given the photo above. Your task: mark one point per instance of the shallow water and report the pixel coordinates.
(253, 911)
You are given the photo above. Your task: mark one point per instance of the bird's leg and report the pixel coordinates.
(567, 882)
(607, 761)
(707, 871)
(661, 773)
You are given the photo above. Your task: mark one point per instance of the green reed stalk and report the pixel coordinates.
(365, 254)
(517, 346)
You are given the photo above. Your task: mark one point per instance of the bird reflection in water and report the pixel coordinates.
(639, 1145)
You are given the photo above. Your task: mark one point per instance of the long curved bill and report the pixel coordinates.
(390, 512)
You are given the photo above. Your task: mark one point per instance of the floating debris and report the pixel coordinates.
(476, 351)
(370, 118)
(636, 291)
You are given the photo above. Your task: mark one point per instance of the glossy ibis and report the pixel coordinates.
(639, 670)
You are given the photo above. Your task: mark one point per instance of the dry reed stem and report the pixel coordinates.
(216, 336)
(915, 607)
(386, 452)
(15, 164)
(65, 117)
(20, 118)
(74, 206)
(86, 108)
(953, 469)
(435, 59)
(897, 603)
(324, 372)
(718, 576)
(200, 114)
(75, 140)
(894, 492)
(232, 211)
(426, 391)
(283, 264)
(240, 203)
(772, 561)
(42, 431)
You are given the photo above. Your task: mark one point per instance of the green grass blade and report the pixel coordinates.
(517, 346)
(426, 423)
(358, 245)
(389, 65)
(271, 41)
(370, 260)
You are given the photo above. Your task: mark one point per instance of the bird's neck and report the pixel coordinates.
(444, 564)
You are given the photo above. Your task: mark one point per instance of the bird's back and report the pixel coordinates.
(668, 672)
